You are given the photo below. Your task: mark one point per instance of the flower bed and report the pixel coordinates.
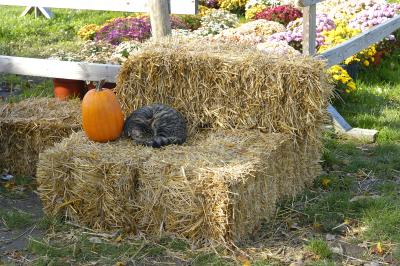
(273, 26)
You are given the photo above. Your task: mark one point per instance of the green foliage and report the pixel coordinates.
(40, 87)
(396, 253)
(194, 21)
(350, 164)
(81, 250)
(210, 259)
(53, 223)
(34, 37)
(16, 219)
(323, 263)
(349, 156)
(6, 190)
(377, 101)
(319, 247)
(382, 220)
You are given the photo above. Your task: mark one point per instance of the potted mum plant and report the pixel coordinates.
(65, 89)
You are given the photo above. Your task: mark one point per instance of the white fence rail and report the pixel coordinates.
(57, 69)
(177, 6)
(358, 43)
(337, 54)
(80, 70)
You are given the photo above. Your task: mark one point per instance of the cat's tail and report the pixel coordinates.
(158, 141)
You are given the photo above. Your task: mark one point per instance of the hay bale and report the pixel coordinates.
(217, 187)
(228, 86)
(29, 127)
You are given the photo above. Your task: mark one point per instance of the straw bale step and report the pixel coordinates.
(224, 86)
(29, 127)
(216, 188)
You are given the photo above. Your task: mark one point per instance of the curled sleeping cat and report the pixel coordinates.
(156, 125)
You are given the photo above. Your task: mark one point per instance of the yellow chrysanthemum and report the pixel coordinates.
(203, 10)
(232, 5)
(341, 34)
(342, 79)
(87, 32)
(252, 11)
(352, 85)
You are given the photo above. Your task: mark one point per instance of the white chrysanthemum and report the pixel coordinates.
(252, 3)
(124, 49)
(277, 48)
(216, 21)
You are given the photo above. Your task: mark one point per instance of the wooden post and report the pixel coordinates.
(309, 29)
(159, 18)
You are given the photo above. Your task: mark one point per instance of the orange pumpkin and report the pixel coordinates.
(102, 117)
(67, 88)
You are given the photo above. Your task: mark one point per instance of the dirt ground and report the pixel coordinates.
(13, 241)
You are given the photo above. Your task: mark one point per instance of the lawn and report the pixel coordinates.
(41, 37)
(350, 215)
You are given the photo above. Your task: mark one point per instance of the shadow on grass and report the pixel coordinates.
(376, 103)
(381, 160)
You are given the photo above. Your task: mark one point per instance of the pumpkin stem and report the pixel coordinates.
(100, 84)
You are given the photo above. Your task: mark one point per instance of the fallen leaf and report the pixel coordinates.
(244, 260)
(246, 263)
(317, 226)
(379, 249)
(9, 185)
(326, 182)
(118, 239)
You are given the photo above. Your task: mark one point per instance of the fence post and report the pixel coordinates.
(159, 18)
(309, 29)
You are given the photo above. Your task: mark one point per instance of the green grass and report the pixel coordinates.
(377, 101)
(320, 248)
(351, 164)
(347, 164)
(7, 188)
(39, 37)
(52, 223)
(382, 220)
(39, 88)
(16, 219)
(81, 250)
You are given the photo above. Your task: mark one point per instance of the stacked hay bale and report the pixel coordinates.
(217, 187)
(263, 115)
(29, 127)
(228, 86)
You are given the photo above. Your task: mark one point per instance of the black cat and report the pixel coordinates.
(156, 125)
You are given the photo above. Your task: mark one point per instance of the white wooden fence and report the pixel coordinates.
(339, 53)
(89, 71)
(177, 6)
(80, 70)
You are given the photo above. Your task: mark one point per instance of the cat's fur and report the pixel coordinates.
(156, 125)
